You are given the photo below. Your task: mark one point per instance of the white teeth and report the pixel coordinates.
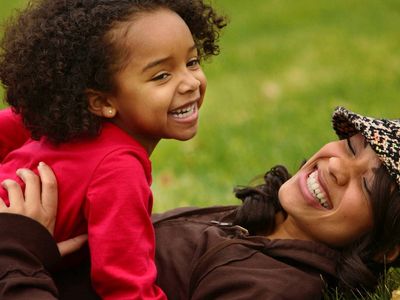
(184, 112)
(315, 189)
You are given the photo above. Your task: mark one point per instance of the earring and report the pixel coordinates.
(111, 112)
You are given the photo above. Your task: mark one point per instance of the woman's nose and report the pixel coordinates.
(339, 170)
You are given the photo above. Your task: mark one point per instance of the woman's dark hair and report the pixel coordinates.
(358, 268)
(361, 264)
(261, 202)
(57, 49)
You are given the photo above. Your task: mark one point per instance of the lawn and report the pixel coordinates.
(284, 66)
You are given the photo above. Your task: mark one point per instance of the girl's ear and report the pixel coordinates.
(100, 104)
(388, 256)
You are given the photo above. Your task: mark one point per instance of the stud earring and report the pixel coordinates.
(111, 112)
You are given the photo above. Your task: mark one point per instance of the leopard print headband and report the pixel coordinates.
(383, 135)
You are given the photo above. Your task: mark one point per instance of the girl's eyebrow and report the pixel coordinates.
(192, 48)
(155, 63)
(161, 60)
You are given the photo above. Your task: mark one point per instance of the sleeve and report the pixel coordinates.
(27, 251)
(13, 133)
(120, 232)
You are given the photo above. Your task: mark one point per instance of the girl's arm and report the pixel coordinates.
(121, 235)
(13, 133)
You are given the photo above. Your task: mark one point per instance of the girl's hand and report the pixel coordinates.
(39, 202)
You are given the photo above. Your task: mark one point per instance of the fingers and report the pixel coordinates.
(49, 189)
(72, 245)
(38, 201)
(3, 206)
(15, 196)
(32, 189)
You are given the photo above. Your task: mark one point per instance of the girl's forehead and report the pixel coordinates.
(152, 36)
(144, 28)
(146, 20)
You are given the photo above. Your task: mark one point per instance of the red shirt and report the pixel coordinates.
(12, 132)
(104, 190)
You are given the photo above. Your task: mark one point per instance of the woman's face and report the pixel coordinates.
(328, 199)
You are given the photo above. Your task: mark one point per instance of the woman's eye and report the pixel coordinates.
(350, 146)
(193, 62)
(366, 186)
(160, 76)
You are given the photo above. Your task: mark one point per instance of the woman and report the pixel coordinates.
(334, 222)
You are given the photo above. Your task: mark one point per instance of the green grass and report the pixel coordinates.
(284, 65)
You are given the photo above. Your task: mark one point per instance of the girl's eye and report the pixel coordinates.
(160, 77)
(350, 146)
(193, 62)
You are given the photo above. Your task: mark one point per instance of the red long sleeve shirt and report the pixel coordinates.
(13, 134)
(104, 190)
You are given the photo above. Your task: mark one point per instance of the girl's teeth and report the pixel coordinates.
(185, 112)
(315, 189)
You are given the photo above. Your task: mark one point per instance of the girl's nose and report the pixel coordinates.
(189, 83)
(339, 170)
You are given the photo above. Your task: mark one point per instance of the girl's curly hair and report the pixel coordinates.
(57, 49)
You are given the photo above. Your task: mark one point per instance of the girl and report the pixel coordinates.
(336, 221)
(98, 83)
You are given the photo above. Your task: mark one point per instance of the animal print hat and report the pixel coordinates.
(383, 135)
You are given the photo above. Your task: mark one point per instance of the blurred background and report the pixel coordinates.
(284, 66)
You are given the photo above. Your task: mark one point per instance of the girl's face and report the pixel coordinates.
(160, 91)
(328, 199)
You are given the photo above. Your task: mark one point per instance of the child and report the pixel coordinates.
(98, 83)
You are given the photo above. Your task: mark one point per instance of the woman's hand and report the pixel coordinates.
(38, 202)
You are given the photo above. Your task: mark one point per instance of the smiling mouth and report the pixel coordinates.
(314, 187)
(184, 112)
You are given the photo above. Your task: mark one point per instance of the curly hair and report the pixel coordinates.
(357, 268)
(55, 50)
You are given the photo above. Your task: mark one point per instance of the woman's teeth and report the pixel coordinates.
(184, 112)
(316, 190)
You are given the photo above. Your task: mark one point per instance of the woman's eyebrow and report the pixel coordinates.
(365, 143)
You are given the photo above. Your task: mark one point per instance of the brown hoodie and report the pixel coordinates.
(200, 255)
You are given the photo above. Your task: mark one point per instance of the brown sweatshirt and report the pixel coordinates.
(200, 255)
